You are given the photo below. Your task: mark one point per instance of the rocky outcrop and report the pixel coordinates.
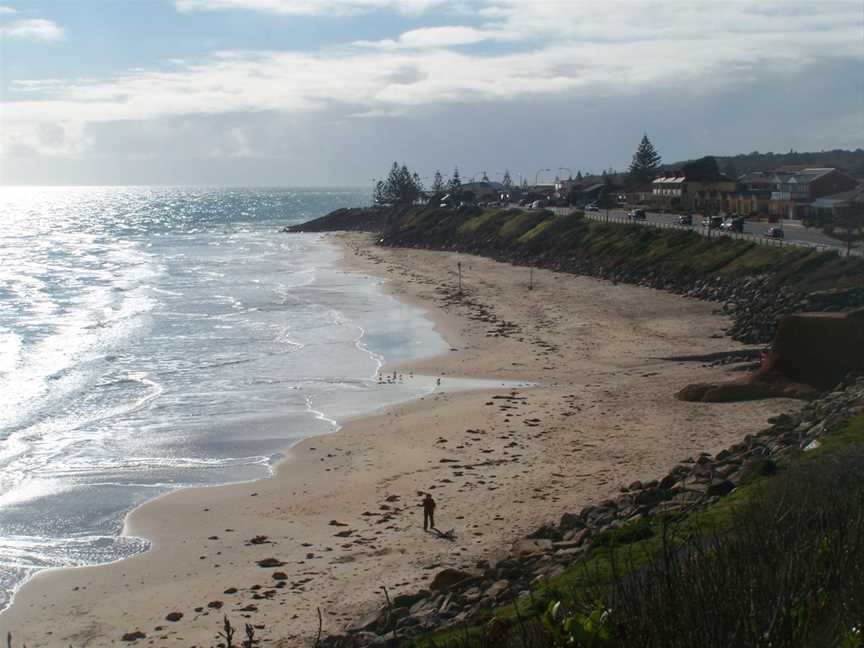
(457, 595)
(354, 219)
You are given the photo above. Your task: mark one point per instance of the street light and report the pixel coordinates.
(537, 175)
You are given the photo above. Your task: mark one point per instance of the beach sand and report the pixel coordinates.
(499, 463)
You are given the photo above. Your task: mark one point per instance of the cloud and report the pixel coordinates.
(37, 29)
(309, 7)
(432, 37)
(7, 11)
(617, 49)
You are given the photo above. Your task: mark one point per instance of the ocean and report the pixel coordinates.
(157, 338)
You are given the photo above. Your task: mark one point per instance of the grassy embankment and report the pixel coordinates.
(779, 562)
(563, 242)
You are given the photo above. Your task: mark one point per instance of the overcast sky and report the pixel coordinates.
(330, 92)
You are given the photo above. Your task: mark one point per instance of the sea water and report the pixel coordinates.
(156, 338)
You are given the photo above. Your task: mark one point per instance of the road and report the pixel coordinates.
(795, 232)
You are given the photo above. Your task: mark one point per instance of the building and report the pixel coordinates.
(752, 195)
(826, 206)
(692, 192)
(795, 189)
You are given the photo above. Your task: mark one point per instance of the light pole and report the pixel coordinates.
(537, 175)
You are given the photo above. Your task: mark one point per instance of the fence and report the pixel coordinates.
(705, 231)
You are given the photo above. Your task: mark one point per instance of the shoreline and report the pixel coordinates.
(506, 464)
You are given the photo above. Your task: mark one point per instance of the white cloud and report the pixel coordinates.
(432, 37)
(614, 48)
(7, 11)
(32, 29)
(309, 7)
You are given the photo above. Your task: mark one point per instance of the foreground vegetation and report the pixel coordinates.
(778, 563)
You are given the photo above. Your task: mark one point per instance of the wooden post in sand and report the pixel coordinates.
(459, 269)
(531, 278)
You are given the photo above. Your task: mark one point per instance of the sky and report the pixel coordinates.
(331, 92)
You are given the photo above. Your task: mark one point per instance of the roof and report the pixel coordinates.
(856, 195)
(669, 180)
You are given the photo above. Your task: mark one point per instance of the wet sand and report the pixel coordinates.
(342, 513)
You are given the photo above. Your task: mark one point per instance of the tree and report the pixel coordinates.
(485, 178)
(702, 170)
(506, 180)
(579, 175)
(730, 170)
(645, 162)
(455, 183)
(847, 223)
(400, 188)
(438, 183)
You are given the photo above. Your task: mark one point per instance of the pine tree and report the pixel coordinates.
(506, 180)
(645, 162)
(455, 183)
(579, 174)
(400, 188)
(438, 183)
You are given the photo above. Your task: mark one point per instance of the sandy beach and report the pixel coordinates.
(341, 515)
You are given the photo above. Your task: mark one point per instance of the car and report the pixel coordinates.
(637, 214)
(712, 222)
(775, 233)
(733, 225)
(685, 219)
(538, 204)
(592, 207)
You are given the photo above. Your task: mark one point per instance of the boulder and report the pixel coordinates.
(173, 616)
(135, 635)
(447, 578)
(496, 589)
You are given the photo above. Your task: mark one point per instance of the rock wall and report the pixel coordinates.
(819, 348)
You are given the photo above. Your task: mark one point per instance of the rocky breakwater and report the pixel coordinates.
(458, 595)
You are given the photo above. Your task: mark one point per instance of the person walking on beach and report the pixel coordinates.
(428, 512)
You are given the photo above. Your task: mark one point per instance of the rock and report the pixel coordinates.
(496, 589)
(280, 576)
(174, 616)
(545, 532)
(270, 562)
(408, 600)
(447, 578)
(719, 488)
(214, 605)
(366, 639)
(135, 635)
(529, 546)
(650, 496)
(571, 521)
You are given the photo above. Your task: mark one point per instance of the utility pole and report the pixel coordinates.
(531, 278)
(459, 270)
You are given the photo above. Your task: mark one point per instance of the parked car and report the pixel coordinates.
(538, 204)
(685, 219)
(637, 214)
(712, 222)
(775, 232)
(592, 207)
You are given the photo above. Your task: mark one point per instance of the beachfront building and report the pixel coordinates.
(681, 190)
(752, 194)
(795, 189)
